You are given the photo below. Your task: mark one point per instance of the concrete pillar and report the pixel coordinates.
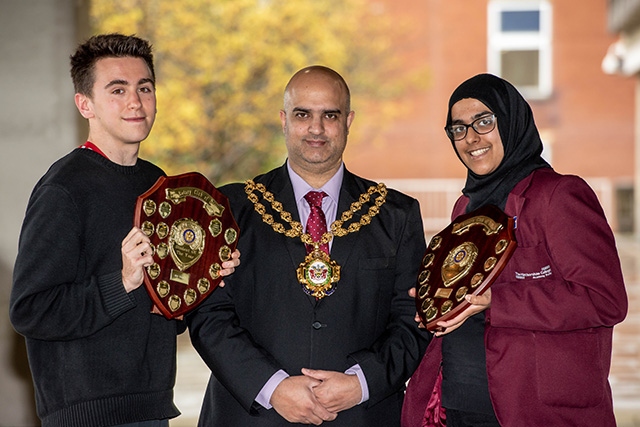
(38, 124)
(636, 183)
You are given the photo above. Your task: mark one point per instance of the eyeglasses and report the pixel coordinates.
(481, 125)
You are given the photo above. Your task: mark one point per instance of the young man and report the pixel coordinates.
(98, 356)
(355, 328)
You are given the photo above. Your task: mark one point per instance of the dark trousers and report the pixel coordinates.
(470, 419)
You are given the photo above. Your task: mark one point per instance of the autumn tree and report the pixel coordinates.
(222, 65)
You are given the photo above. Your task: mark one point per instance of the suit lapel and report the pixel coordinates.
(280, 186)
(516, 199)
(343, 246)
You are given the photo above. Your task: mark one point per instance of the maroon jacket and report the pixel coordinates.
(549, 329)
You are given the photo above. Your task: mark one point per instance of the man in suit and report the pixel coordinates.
(284, 351)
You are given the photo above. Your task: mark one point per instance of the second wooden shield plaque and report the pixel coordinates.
(192, 232)
(464, 258)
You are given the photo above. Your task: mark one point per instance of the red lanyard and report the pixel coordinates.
(93, 147)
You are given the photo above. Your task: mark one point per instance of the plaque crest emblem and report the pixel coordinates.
(186, 242)
(177, 214)
(458, 262)
(464, 258)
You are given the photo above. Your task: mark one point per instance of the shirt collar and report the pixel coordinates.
(331, 187)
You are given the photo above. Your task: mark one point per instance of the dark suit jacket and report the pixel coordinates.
(262, 321)
(548, 331)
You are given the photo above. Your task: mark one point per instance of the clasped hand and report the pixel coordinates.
(316, 396)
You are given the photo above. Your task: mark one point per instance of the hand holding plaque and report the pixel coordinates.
(464, 258)
(192, 231)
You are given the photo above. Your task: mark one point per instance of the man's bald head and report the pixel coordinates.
(313, 74)
(315, 121)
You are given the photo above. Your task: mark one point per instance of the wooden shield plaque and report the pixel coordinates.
(464, 258)
(192, 232)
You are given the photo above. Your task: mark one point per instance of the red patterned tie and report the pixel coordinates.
(317, 223)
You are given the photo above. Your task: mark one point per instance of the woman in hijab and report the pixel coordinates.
(534, 349)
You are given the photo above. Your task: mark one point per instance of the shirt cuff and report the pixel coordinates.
(264, 397)
(357, 370)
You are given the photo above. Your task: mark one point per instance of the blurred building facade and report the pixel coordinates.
(623, 58)
(553, 51)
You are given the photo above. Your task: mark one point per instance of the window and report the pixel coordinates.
(520, 45)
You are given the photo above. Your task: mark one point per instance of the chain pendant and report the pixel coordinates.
(318, 274)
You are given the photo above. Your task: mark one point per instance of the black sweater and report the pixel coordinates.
(97, 355)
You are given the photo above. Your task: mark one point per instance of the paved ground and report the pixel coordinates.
(625, 370)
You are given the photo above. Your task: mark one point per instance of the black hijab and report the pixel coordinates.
(519, 134)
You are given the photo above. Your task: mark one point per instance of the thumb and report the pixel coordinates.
(313, 373)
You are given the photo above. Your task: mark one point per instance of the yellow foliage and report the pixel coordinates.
(221, 67)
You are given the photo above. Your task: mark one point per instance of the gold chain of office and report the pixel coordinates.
(336, 228)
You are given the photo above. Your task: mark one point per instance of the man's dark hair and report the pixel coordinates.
(101, 46)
